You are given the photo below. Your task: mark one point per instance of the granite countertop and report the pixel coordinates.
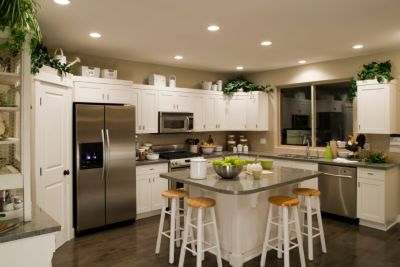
(41, 224)
(381, 166)
(147, 162)
(244, 184)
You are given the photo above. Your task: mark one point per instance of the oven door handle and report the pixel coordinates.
(338, 175)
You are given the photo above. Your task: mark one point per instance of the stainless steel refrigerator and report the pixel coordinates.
(104, 165)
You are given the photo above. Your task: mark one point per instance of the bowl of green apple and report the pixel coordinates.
(228, 168)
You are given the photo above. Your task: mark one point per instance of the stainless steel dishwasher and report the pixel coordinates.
(338, 186)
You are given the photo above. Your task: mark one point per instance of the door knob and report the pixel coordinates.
(66, 172)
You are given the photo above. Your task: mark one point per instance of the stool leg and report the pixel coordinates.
(172, 231)
(280, 238)
(298, 235)
(216, 238)
(309, 229)
(266, 239)
(321, 229)
(286, 236)
(199, 236)
(161, 227)
(185, 236)
(178, 223)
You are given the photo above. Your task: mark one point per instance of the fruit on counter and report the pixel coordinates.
(229, 161)
(209, 142)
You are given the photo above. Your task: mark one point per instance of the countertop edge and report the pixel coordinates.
(150, 162)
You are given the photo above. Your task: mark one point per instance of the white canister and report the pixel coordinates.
(172, 81)
(206, 85)
(239, 148)
(245, 149)
(198, 168)
(234, 149)
(219, 84)
(214, 87)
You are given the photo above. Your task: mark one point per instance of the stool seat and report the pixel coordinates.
(283, 201)
(201, 202)
(307, 192)
(175, 193)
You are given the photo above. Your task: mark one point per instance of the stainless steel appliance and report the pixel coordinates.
(338, 186)
(175, 122)
(104, 165)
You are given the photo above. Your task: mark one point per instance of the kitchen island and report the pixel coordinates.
(241, 207)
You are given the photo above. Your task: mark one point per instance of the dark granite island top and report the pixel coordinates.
(41, 224)
(244, 183)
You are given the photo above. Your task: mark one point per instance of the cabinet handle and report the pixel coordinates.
(256, 125)
(204, 126)
(151, 169)
(359, 127)
(370, 173)
(143, 127)
(153, 180)
(102, 96)
(177, 106)
(358, 184)
(149, 180)
(108, 96)
(140, 127)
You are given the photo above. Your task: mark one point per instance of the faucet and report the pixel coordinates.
(308, 148)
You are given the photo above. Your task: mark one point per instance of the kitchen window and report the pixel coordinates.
(315, 113)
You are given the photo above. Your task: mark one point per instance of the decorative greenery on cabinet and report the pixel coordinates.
(240, 83)
(381, 71)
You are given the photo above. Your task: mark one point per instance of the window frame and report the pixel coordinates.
(313, 115)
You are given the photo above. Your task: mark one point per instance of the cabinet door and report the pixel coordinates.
(211, 123)
(220, 113)
(371, 200)
(158, 186)
(120, 94)
(167, 101)
(252, 113)
(372, 109)
(148, 111)
(199, 112)
(89, 92)
(184, 103)
(236, 113)
(143, 193)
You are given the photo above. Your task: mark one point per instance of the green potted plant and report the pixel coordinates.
(379, 71)
(240, 84)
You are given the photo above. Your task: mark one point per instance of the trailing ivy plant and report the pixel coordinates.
(19, 16)
(238, 83)
(382, 72)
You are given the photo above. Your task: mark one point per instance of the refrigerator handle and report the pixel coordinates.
(108, 152)
(104, 155)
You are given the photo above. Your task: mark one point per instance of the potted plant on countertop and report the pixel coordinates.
(240, 84)
(380, 72)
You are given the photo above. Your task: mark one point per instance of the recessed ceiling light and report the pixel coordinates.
(266, 43)
(358, 46)
(213, 28)
(302, 61)
(239, 67)
(178, 57)
(95, 35)
(62, 2)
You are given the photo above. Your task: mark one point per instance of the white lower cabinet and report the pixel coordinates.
(378, 197)
(149, 187)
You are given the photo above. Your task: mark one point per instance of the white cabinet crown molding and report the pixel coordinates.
(102, 80)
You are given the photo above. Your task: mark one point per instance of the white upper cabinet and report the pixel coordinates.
(118, 94)
(257, 112)
(148, 114)
(199, 112)
(172, 101)
(377, 109)
(89, 92)
(236, 113)
(220, 113)
(210, 120)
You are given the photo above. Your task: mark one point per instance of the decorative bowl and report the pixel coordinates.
(207, 149)
(228, 172)
(266, 164)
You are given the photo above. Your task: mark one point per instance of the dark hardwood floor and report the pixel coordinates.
(133, 245)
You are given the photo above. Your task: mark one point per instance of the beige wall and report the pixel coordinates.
(319, 72)
(139, 72)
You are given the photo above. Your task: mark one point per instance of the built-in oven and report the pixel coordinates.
(175, 122)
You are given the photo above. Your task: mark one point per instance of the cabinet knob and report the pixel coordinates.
(66, 172)
(143, 127)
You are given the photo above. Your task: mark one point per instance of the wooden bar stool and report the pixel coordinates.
(285, 205)
(174, 212)
(200, 203)
(308, 195)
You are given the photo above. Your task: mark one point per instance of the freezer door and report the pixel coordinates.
(121, 158)
(89, 166)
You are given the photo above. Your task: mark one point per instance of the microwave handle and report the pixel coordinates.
(187, 122)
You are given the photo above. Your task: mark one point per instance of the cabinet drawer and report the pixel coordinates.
(371, 174)
(152, 168)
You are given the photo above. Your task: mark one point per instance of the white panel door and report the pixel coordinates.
(89, 92)
(372, 101)
(167, 101)
(236, 113)
(120, 94)
(220, 113)
(143, 193)
(158, 186)
(54, 144)
(211, 123)
(184, 102)
(199, 112)
(148, 111)
(252, 113)
(371, 200)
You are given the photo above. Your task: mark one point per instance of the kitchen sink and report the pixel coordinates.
(297, 156)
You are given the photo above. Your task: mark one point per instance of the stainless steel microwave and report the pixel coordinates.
(175, 122)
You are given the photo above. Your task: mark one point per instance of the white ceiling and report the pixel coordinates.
(155, 31)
